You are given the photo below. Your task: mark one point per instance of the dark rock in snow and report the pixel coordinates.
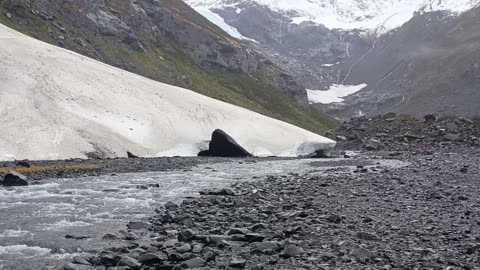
(13, 178)
(223, 145)
(131, 155)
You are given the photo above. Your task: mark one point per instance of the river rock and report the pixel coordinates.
(14, 178)
(291, 251)
(373, 144)
(171, 205)
(238, 263)
(129, 262)
(194, 263)
(150, 258)
(71, 266)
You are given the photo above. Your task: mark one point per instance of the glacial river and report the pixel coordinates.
(34, 220)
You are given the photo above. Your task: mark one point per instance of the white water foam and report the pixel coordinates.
(24, 250)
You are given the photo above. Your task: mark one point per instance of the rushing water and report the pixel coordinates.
(34, 220)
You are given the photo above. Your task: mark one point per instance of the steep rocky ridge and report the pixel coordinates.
(430, 65)
(169, 42)
(401, 66)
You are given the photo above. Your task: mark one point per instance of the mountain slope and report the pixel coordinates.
(169, 42)
(429, 65)
(392, 63)
(345, 14)
(56, 104)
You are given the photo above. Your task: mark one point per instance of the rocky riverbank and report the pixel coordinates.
(394, 132)
(422, 216)
(40, 170)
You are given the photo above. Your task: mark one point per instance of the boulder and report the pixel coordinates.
(194, 263)
(223, 145)
(131, 155)
(13, 178)
(453, 137)
(373, 144)
(430, 118)
(23, 163)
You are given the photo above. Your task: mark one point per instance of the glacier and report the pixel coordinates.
(377, 15)
(57, 104)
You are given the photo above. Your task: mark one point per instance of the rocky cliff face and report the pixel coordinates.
(166, 41)
(392, 61)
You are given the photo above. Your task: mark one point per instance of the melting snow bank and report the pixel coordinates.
(335, 94)
(56, 104)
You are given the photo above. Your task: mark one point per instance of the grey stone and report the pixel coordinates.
(13, 178)
(194, 263)
(291, 251)
(129, 262)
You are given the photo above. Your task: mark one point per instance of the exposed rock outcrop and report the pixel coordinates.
(223, 145)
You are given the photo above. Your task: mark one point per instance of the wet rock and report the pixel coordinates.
(24, 164)
(131, 236)
(71, 266)
(367, 236)
(363, 254)
(81, 260)
(107, 259)
(291, 251)
(254, 237)
(237, 231)
(237, 263)
(110, 236)
(373, 144)
(186, 235)
(430, 118)
(259, 227)
(194, 263)
(136, 225)
(267, 246)
(219, 240)
(13, 178)
(334, 219)
(218, 192)
(150, 258)
(184, 248)
(129, 262)
(171, 205)
(77, 237)
(223, 145)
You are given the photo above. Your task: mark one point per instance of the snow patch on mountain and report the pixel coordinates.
(57, 104)
(334, 94)
(220, 22)
(348, 14)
